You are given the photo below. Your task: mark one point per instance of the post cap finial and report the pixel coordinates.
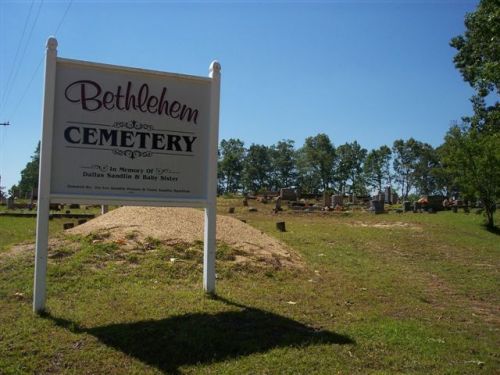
(215, 66)
(51, 43)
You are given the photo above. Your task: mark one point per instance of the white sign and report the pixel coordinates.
(128, 134)
(118, 135)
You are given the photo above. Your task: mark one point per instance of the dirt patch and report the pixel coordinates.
(54, 251)
(397, 224)
(186, 225)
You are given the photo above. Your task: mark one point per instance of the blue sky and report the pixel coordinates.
(371, 71)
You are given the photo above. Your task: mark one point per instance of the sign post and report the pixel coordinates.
(116, 135)
(43, 204)
(211, 209)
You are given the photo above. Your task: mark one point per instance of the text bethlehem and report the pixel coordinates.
(92, 97)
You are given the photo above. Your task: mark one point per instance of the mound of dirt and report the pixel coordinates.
(186, 225)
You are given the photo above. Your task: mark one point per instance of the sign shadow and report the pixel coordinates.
(203, 338)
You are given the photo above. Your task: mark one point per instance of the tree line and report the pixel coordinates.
(318, 166)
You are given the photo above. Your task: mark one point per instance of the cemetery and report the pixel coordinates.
(142, 237)
(335, 289)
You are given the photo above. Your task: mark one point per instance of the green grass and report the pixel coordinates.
(14, 230)
(417, 294)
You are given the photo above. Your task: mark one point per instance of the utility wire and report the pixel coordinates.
(63, 17)
(18, 67)
(14, 112)
(17, 51)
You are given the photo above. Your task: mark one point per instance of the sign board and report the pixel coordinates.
(126, 136)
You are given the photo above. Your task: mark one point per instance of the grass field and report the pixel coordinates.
(393, 293)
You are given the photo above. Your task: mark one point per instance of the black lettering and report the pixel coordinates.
(105, 136)
(68, 137)
(87, 134)
(125, 137)
(189, 142)
(157, 140)
(173, 140)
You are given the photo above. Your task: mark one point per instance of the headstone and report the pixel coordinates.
(394, 199)
(68, 225)
(406, 206)
(277, 206)
(280, 225)
(337, 200)
(104, 209)
(327, 199)
(377, 206)
(10, 203)
(288, 194)
(231, 210)
(380, 196)
(388, 195)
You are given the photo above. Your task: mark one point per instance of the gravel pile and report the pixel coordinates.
(174, 225)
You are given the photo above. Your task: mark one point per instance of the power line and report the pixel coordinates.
(63, 17)
(14, 112)
(17, 50)
(18, 67)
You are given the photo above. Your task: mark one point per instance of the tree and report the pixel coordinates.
(284, 164)
(478, 60)
(350, 159)
(14, 191)
(424, 176)
(471, 152)
(231, 164)
(29, 175)
(377, 167)
(316, 161)
(473, 158)
(257, 168)
(405, 157)
(2, 191)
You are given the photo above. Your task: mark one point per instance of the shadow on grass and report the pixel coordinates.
(494, 230)
(201, 338)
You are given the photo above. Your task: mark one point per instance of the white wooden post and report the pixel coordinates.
(211, 208)
(104, 209)
(42, 223)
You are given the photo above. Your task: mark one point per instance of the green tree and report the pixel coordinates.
(231, 163)
(424, 176)
(284, 164)
(478, 60)
(2, 191)
(14, 191)
(377, 167)
(404, 163)
(257, 168)
(470, 154)
(350, 160)
(29, 175)
(472, 157)
(315, 162)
